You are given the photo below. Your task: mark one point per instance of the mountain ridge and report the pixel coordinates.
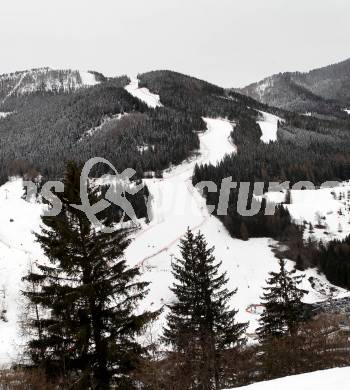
(46, 79)
(324, 90)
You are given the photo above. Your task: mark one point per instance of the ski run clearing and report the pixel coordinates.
(336, 378)
(4, 114)
(269, 126)
(176, 205)
(106, 120)
(88, 79)
(152, 100)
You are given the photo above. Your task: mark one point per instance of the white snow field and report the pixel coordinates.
(4, 114)
(327, 209)
(176, 205)
(268, 126)
(151, 99)
(88, 79)
(336, 378)
(18, 219)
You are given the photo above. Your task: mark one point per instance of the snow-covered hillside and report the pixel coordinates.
(105, 121)
(327, 209)
(47, 79)
(268, 125)
(176, 205)
(18, 220)
(336, 378)
(88, 79)
(151, 99)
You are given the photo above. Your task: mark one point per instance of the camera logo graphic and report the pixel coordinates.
(116, 194)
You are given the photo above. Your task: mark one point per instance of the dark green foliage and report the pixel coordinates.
(200, 325)
(283, 308)
(323, 90)
(315, 152)
(258, 225)
(331, 258)
(47, 129)
(194, 96)
(87, 327)
(247, 130)
(334, 261)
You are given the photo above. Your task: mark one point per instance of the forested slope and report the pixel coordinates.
(324, 90)
(45, 129)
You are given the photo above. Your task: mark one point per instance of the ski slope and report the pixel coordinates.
(88, 79)
(176, 205)
(152, 100)
(268, 126)
(336, 378)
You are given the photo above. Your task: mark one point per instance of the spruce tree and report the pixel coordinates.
(88, 295)
(200, 324)
(283, 308)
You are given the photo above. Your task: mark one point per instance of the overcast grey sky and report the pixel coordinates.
(228, 42)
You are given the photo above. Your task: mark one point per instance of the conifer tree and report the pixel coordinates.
(288, 199)
(88, 295)
(283, 308)
(200, 324)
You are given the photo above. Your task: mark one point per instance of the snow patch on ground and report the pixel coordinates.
(144, 148)
(87, 78)
(327, 209)
(4, 114)
(151, 99)
(268, 126)
(336, 378)
(347, 111)
(18, 220)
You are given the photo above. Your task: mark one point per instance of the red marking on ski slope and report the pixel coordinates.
(252, 309)
(188, 168)
(165, 248)
(168, 246)
(201, 158)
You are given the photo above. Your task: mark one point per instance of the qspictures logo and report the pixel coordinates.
(121, 183)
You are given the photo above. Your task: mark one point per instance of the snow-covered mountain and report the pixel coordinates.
(162, 122)
(322, 90)
(45, 79)
(176, 205)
